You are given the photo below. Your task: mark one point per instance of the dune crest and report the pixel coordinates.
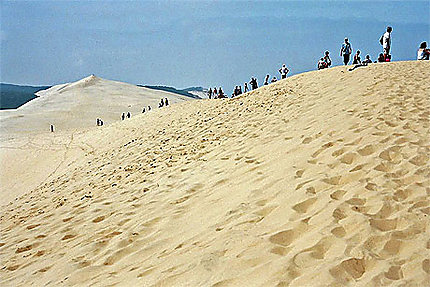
(318, 180)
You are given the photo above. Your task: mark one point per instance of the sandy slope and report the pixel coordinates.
(72, 108)
(318, 180)
(77, 105)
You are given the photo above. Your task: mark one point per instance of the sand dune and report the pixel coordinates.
(77, 105)
(318, 180)
(72, 108)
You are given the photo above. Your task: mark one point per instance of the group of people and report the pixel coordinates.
(147, 109)
(216, 93)
(163, 103)
(124, 116)
(346, 52)
(99, 122)
(253, 84)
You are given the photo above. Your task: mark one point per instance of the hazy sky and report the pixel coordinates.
(194, 43)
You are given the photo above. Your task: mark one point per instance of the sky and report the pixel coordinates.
(194, 43)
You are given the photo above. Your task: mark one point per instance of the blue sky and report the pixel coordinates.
(194, 43)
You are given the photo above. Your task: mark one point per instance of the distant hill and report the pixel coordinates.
(184, 92)
(77, 105)
(14, 96)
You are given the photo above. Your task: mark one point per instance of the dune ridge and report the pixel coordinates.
(318, 180)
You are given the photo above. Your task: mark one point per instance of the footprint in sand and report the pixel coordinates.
(352, 268)
(303, 206)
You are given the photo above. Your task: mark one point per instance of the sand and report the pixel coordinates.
(72, 108)
(321, 179)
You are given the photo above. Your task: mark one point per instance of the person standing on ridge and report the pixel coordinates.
(245, 89)
(327, 58)
(266, 80)
(253, 83)
(284, 71)
(385, 40)
(209, 93)
(346, 51)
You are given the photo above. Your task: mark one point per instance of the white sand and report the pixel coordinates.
(72, 108)
(318, 180)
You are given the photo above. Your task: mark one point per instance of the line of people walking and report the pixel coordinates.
(253, 84)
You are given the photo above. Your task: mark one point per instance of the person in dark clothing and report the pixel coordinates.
(210, 93)
(283, 71)
(253, 83)
(245, 88)
(128, 115)
(346, 51)
(266, 80)
(123, 116)
(52, 128)
(166, 102)
(143, 111)
(364, 63)
(356, 60)
(220, 93)
(327, 58)
(149, 108)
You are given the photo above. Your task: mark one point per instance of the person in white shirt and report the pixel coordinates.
(386, 40)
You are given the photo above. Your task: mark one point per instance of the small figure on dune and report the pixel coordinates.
(423, 52)
(143, 111)
(327, 58)
(364, 63)
(346, 51)
(101, 122)
(283, 71)
(385, 40)
(98, 122)
(161, 104)
(237, 91)
(123, 116)
(166, 102)
(149, 108)
(209, 93)
(215, 93)
(274, 80)
(356, 60)
(221, 93)
(322, 64)
(266, 80)
(128, 115)
(253, 83)
(381, 58)
(52, 128)
(245, 88)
